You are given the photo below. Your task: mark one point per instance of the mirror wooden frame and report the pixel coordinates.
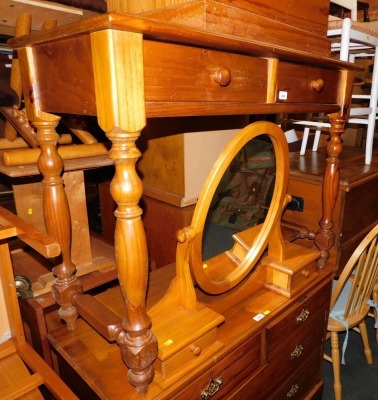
(229, 271)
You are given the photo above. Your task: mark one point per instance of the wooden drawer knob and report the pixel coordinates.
(317, 85)
(306, 273)
(196, 350)
(222, 76)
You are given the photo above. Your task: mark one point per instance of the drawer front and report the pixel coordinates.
(303, 84)
(299, 344)
(296, 350)
(227, 374)
(301, 317)
(263, 385)
(301, 382)
(174, 73)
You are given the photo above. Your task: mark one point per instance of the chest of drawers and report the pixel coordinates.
(278, 356)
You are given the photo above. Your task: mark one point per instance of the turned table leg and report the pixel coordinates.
(325, 237)
(57, 219)
(138, 345)
(121, 113)
(55, 204)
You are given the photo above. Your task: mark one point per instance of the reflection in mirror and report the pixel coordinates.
(242, 197)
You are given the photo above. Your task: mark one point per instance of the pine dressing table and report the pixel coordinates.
(201, 58)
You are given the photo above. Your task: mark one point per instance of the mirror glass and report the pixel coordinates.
(240, 204)
(242, 197)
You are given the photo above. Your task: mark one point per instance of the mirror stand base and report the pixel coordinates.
(294, 272)
(186, 339)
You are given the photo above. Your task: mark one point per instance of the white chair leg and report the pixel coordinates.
(372, 115)
(315, 145)
(345, 39)
(306, 132)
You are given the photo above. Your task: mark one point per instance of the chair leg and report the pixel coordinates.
(335, 352)
(315, 145)
(306, 133)
(375, 313)
(373, 113)
(365, 340)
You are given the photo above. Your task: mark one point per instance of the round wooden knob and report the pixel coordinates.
(306, 273)
(196, 350)
(222, 76)
(317, 85)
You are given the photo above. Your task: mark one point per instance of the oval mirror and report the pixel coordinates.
(221, 272)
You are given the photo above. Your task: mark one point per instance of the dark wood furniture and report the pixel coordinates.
(355, 211)
(235, 69)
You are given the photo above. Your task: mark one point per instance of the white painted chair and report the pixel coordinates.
(356, 39)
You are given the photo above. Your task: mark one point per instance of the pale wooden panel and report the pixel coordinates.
(81, 246)
(28, 201)
(4, 323)
(40, 11)
(162, 164)
(29, 207)
(12, 370)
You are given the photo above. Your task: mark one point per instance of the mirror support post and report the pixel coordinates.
(325, 237)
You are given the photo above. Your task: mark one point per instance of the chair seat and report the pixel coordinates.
(337, 312)
(364, 27)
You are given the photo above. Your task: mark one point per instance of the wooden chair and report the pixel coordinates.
(374, 313)
(22, 370)
(351, 301)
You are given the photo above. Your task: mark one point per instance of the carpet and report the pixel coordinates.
(359, 379)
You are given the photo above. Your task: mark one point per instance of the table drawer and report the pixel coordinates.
(302, 316)
(176, 73)
(230, 371)
(301, 382)
(295, 350)
(303, 84)
(297, 346)
(263, 386)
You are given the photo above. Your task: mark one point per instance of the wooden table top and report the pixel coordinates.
(353, 170)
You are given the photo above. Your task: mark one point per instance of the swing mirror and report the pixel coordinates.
(229, 238)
